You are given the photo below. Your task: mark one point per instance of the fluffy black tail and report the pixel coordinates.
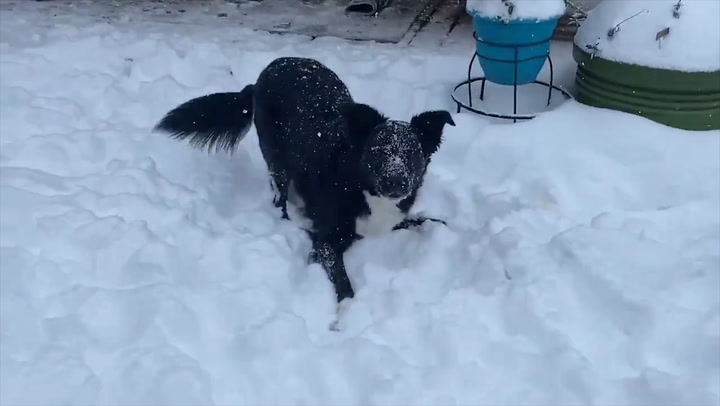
(218, 120)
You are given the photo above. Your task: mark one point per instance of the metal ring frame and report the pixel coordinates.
(515, 61)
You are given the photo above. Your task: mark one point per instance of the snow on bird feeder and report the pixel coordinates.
(659, 59)
(512, 44)
(503, 27)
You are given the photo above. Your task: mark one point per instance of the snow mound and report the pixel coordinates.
(521, 9)
(691, 45)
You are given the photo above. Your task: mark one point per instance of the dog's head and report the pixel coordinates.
(394, 155)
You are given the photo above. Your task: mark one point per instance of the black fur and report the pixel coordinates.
(333, 150)
(212, 121)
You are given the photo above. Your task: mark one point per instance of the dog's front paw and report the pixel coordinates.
(416, 222)
(434, 220)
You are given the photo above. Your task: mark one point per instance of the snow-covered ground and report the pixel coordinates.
(581, 264)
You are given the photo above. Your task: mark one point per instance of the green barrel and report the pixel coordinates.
(686, 100)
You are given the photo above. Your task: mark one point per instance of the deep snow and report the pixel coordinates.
(581, 264)
(691, 45)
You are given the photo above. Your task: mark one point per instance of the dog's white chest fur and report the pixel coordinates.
(384, 215)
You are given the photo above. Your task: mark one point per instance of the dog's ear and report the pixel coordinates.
(429, 127)
(360, 119)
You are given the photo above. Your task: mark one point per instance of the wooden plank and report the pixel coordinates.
(421, 20)
(565, 30)
(328, 18)
(451, 27)
(313, 18)
(406, 22)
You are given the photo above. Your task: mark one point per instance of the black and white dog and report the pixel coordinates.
(348, 163)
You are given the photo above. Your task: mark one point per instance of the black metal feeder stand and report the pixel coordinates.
(515, 61)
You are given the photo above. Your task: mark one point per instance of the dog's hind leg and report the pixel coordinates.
(273, 152)
(282, 186)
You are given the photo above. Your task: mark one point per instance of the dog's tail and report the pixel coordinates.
(218, 120)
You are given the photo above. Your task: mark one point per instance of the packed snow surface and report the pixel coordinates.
(691, 45)
(580, 264)
(522, 9)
